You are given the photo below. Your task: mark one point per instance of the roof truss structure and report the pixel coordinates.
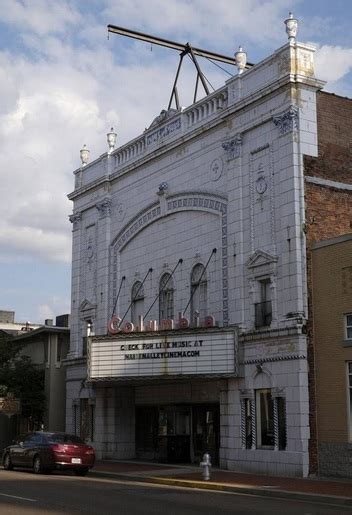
(184, 49)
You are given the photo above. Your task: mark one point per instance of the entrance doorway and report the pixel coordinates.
(178, 433)
(206, 432)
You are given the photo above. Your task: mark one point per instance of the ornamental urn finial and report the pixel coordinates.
(291, 27)
(241, 60)
(111, 138)
(84, 155)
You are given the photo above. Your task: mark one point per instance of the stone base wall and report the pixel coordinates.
(335, 459)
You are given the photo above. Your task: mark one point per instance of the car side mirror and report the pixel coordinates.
(20, 444)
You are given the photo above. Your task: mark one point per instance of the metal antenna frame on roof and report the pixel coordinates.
(184, 49)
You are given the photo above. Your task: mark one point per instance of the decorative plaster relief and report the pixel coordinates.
(120, 212)
(104, 208)
(216, 169)
(305, 63)
(163, 132)
(76, 220)
(88, 269)
(262, 198)
(90, 252)
(287, 121)
(163, 187)
(232, 147)
(163, 116)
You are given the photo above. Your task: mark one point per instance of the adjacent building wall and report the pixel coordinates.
(332, 299)
(328, 201)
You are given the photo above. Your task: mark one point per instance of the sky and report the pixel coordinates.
(63, 84)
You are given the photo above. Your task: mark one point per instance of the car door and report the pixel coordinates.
(31, 446)
(16, 451)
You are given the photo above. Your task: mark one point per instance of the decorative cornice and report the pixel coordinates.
(104, 208)
(233, 146)
(273, 359)
(287, 121)
(75, 220)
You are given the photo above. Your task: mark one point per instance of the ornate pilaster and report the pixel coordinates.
(233, 147)
(276, 394)
(75, 220)
(243, 423)
(104, 208)
(287, 121)
(254, 424)
(276, 423)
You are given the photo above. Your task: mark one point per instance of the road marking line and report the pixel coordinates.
(17, 497)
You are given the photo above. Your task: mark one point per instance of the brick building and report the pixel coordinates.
(191, 276)
(328, 198)
(332, 322)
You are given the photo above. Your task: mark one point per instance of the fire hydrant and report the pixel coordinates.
(206, 464)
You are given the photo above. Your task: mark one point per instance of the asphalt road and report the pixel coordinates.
(23, 493)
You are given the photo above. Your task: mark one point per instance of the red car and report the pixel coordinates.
(45, 451)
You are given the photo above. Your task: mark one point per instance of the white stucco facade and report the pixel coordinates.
(225, 174)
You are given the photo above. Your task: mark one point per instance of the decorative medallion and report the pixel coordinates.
(90, 251)
(120, 212)
(216, 169)
(261, 185)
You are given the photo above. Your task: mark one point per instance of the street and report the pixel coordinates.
(23, 493)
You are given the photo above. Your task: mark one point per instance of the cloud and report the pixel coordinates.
(217, 23)
(332, 63)
(67, 85)
(39, 16)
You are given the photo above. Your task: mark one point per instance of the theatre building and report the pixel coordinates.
(189, 288)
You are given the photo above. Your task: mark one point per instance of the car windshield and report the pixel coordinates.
(64, 438)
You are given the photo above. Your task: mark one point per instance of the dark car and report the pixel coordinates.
(45, 451)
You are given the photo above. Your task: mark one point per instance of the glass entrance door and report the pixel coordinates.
(174, 434)
(206, 432)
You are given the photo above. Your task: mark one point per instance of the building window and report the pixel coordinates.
(137, 300)
(166, 298)
(263, 308)
(199, 293)
(265, 419)
(348, 326)
(87, 332)
(349, 371)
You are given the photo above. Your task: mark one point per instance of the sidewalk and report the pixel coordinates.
(318, 490)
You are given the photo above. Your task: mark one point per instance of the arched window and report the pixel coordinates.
(198, 292)
(137, 298)
(166, 298)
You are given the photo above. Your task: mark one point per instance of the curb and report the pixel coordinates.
(222, 487)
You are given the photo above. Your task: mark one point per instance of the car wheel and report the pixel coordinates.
(7, 462)
(81, 472)
(37, 465)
